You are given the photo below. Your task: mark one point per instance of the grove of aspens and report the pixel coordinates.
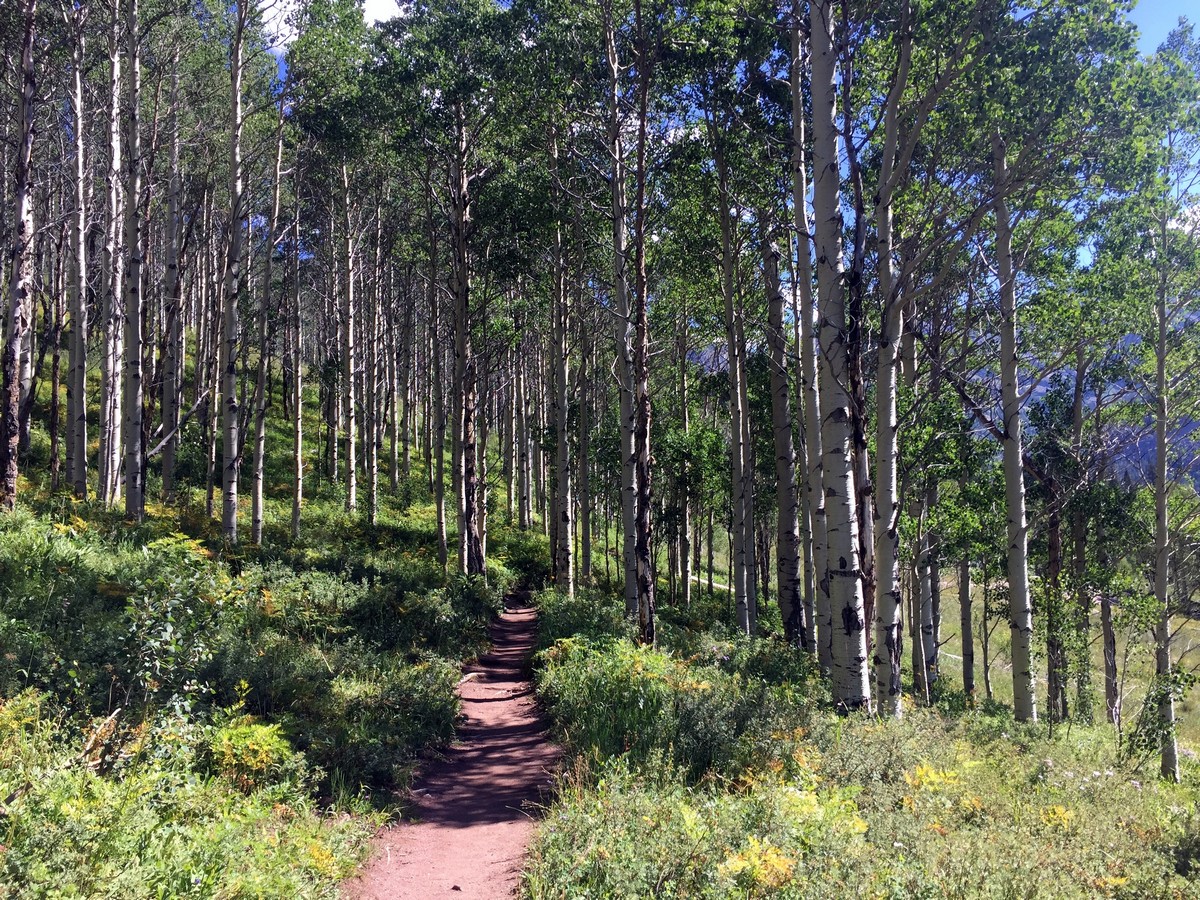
(815, 383)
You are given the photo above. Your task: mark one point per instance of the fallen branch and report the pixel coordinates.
(174, 431)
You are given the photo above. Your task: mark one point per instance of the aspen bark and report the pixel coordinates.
(371, 381)
(260, 382)
(392, 378)
(1112, 688)
(466, 371)
(439, 396)
(112, 264)
(1020, 605)
(888, 604)
(172, 387)
(966, 621)
(1079, 541)
(56, 331)
(814, 492)
(522, 437)
(297, 383)
(231, 460)
(407, 422)
(641, 359)
(77, 448)
(1169, 748)
(563, 549)
(349, 398)
(683, 481)
(888, 657)
(135, 459)
(622, 317)
(787, 522)
(20, 274)
(586, 390)
(844, 578)
(742, 470)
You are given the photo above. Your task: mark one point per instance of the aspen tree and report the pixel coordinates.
(820, 635)
(264, 357)
(172, 387)
(20, 275)
(349, 350)
(77, 443)
(787, 518)
(641, 350)
(849, 645)
(297, 338)
(231, 461)
(112, 266)
(561, 328)
(622, 312)
(742, 467)
(135, 459)
(1020, 603)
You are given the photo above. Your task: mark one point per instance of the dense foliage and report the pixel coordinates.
(830, 368)
(714, 769)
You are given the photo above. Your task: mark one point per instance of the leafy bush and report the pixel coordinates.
(377, 718)
(590, 614)
(253, 755)
(359, 714)
(153, 827)
(174, 602)
(527, 555)
(681, 754)
(613, 697)
(628, 833)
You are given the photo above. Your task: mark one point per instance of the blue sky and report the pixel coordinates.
(1156, 18)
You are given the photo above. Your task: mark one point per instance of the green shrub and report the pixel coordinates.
(152, 826)
(175, 599)
(253, 755)
(625, 833)
(613, 697)
(373, 720)
(527, 555)
(590, 614)
(451, 621)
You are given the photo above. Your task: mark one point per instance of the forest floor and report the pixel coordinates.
(471, 813)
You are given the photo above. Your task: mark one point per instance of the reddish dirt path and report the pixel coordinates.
(469, 819)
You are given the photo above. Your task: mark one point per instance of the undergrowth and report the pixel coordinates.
(185, 719)
(713, 766)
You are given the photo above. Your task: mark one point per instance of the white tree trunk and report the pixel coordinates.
(524, 511)
(622, 317)
(1169, 759)
(260, 382)
(888, 606)
(135, 461)
(297, 383)
(814, 492)
(466, 366)
(231, 461)
(741, 466)
(851, 689)
(20, 273)
(1020, 606)
(787, 522)
(112, 264)
(349, 398)
(77, 448)
(564, 550)
(172, 386)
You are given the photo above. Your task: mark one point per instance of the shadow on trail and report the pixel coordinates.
(470, 813)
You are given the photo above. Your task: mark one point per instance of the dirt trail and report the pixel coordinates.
(469, 819)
